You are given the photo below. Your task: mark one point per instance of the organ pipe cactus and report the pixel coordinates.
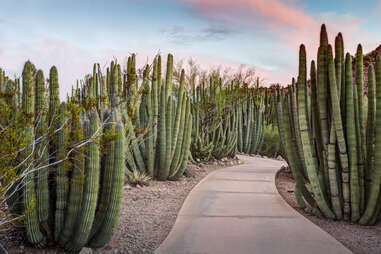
(34, 234)
(115, 183)
(61, 206)
(42, 151)
(338, 137)
(372, 209)
(90, 191)
(162, 114)
(72, 205)
(61, 178)
(251, 124)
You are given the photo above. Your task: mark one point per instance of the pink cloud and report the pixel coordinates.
(287, 23)
(283, 18)
(275, 11)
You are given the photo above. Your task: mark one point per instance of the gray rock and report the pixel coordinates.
(280, 158)
(86, 251)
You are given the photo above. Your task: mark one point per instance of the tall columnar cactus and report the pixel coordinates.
(372, 209)
(370, 129)
(341, 187)
(42, 151)
(161, 115)
(251, 117)
(311, 162)
(62, 182)
(91, 188)
(54, 99)
(115, 184)
(60, 207)
(34, 234)
(73, 204)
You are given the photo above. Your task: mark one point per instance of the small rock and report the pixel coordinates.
(280, 158)
(86, 251)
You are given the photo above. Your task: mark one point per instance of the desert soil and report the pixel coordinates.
(146, 217)
(359, 239)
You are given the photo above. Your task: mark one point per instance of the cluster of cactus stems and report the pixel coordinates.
(228, 117)
(251, 121)
(163, 153)
(329, 131)
(215, 120)
(157, 120)
(73, 199)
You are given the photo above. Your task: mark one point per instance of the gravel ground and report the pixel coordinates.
(146, 217)
(359, 239)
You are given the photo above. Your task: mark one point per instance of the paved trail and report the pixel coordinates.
(238, 210)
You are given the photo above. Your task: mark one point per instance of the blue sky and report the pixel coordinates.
(263, 34)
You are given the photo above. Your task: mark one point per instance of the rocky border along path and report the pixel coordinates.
(238, 210)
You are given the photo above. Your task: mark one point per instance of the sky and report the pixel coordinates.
(260, 34)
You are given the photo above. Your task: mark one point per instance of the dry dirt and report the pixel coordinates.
(359, 239)
(146, 217)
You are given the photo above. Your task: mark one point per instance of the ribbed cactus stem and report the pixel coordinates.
(34, 234)
(90, 195)
(179, 142)
(116, 187)
(370, 130)
(169, 76)
(42, 152)
(351, 140)
(176, 125)
(162, 174)
(186, 145)
(311, 163)
(62, 171)
(168, 136)
(339, 133)
(322, 80)
(77, 159)
(371, 207)
(360, 122)
(54, 99)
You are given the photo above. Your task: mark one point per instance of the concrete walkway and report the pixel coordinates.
(238, 210)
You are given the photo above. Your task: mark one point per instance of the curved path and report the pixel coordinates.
(238, 210)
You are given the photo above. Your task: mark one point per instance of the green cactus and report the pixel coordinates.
(370, 130)
(62, 171)
(77, 181)
(115, 183)
(374, 192)
(90, 193)
(42, 153)
(34, 234)
(348, 190)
